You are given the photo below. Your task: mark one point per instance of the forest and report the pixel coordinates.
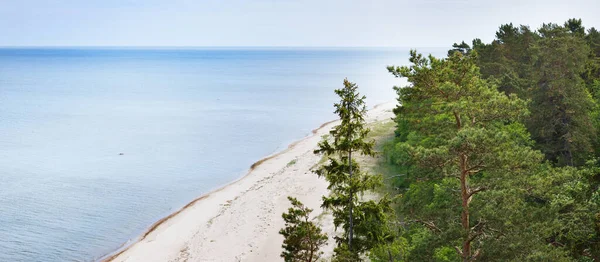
(496, 157)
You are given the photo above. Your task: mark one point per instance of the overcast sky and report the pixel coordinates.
(399, 23)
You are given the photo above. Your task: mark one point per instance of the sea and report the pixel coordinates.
(96, 144)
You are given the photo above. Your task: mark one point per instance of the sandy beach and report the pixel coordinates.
(241, 221)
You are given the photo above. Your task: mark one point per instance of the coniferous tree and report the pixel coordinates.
(554, 68)
(575, 26)
(527, 210)
(593, 40)
(302, 238)
(465, 138)
(463, 47)
(561, 105)
(364, 223)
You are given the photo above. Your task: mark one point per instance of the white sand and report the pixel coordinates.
(241, 221)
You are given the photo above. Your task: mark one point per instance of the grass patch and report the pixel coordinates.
(320, 217)
(291, 163)
(383, 134)
(382, 128)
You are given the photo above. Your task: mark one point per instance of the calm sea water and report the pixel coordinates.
(185, 122)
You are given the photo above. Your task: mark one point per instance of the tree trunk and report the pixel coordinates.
(351, 204)
(351, 224)
(464, 189)
(310, 241)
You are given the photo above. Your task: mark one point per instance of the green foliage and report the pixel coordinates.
(466, 143)
(302, 238)
(463, 48)
(575, 26)
(473, 185)
(561, 120)
(555, 68)
(364, 223)
(575, 203)
(291, 163)
(344, 254)
(397, 250)
(445, 254)
(593, 40)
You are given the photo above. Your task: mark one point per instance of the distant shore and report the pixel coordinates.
(241, 220)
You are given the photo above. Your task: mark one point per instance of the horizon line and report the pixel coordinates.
(207, 46)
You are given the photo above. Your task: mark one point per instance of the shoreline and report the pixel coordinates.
(279, 167)
(125, 246)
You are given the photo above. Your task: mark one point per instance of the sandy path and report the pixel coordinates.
(241, 221)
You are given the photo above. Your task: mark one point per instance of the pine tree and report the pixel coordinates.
(302, 238)
(552, 67)
(463, 47)
(518, 208)
(575, 26)
(467, 140)
(561, 105)
(363, 222)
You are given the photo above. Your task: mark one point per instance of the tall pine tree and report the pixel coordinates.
(465, 137)
(561, 106)
(364, 223)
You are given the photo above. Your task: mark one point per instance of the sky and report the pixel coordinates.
(298, 23)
